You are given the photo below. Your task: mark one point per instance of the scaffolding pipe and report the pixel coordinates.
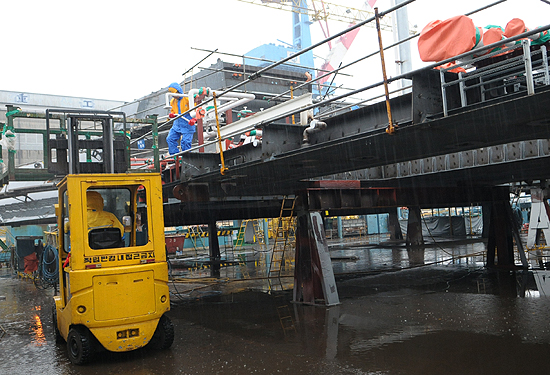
(327, 114)
(222, 168)
(191, 68)
(261, 59)
(280, 62)
(398, 77)
(428, 67)
(390, 129)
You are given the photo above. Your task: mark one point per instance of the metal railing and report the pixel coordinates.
(510, 70)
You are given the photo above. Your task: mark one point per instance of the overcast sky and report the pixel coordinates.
(123, 50)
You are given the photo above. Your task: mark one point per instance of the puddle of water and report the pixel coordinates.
(450, 317)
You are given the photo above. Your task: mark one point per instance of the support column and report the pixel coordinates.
(266, 232)
(500, 245)
(340, 232)
(394, 227)
(414, 227)
(313, 274)
(486, 216)
(416, 256)
(214, 249)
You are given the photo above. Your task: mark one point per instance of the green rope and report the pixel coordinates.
(11, 113)
(543, 38)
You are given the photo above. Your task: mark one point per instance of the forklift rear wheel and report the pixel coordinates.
(164, 334)
(79, 345)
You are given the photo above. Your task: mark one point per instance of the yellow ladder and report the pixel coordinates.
(284, 237)
(241, 234)
(286, 319)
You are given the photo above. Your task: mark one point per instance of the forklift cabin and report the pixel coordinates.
(113, 279)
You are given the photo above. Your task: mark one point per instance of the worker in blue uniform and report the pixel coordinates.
(183, 127)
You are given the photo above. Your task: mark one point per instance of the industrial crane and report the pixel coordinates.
(323, 11)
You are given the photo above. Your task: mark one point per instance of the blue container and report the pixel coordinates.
(378, 223)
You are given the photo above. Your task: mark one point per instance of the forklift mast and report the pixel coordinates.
(90, 143)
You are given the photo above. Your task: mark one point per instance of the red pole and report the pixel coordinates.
(200, 134)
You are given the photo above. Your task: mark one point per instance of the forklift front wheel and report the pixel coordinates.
(79, 345)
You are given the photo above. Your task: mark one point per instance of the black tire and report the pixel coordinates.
(79, 346)
(57, 334)
(164, 334)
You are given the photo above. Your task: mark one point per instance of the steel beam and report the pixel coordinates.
(500, 123)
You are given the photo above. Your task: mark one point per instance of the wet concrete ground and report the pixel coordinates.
(400, 313)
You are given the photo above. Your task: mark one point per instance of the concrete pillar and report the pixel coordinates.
(414, 227)
(313, 275)
(340, 232)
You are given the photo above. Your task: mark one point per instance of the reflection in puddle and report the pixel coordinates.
(387, 338)
(37, 330)
(542, 280)
(401, 312)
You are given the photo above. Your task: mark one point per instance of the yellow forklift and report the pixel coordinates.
(113, 278)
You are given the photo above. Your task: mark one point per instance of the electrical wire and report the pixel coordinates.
(181, 295)
(177, 294)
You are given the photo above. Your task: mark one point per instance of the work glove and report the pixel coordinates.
(192, 122)
(172, 115)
